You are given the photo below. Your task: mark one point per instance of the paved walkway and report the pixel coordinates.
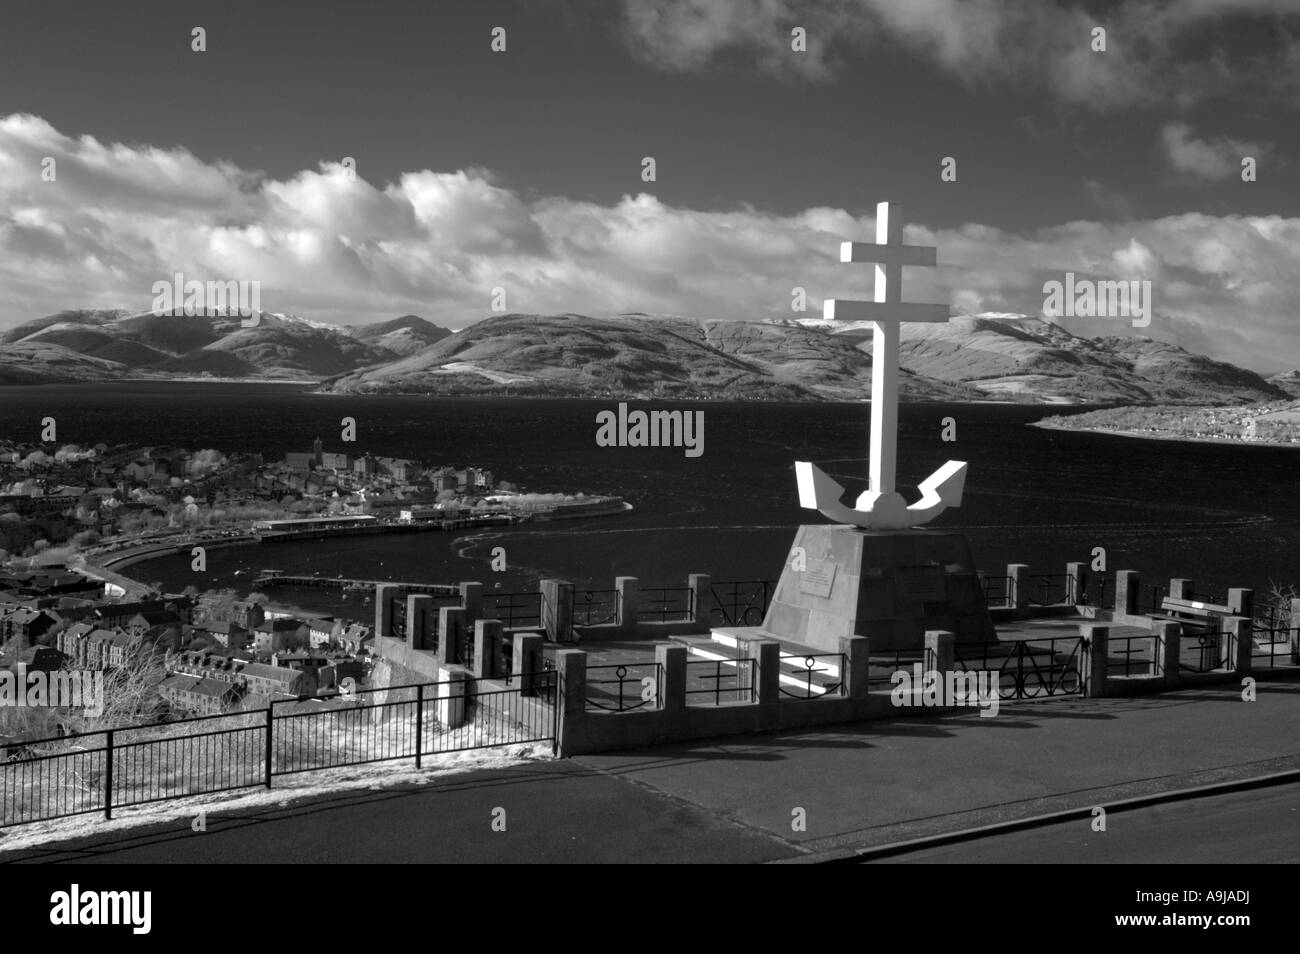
(735, 799)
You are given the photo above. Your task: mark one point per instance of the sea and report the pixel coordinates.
(1222, 515)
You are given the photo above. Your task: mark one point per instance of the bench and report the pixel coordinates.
(1196, 612)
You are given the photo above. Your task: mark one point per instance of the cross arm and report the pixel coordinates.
(888, 254)
(847, 310)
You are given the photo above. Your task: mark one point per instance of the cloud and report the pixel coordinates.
(336, 248)
(1205, 159)
(1046, 43)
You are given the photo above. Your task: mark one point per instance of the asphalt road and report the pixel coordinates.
(1260, 826)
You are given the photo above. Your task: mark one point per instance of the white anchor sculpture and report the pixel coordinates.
(881, 507)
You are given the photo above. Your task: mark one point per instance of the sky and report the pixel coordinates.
(475, 170)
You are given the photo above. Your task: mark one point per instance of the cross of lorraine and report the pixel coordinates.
(881, 507)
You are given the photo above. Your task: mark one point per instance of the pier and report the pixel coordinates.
(271, 578)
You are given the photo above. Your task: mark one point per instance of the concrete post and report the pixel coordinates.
(1295, 632)
(384, 595)
(419, 621)
(1169, 639)
(671, 658)
(701, 599)
(451, 697)
(1181, 589)
(629, 602)
(487, 643)
(857, 660)
(527, 660)
(768, 653)
(1096, 654)
(1241, 642)
(1018, 585)
(1242, 602)
(557, 610)
(1127, 588)
(940, 651)
(572, 665)
(471, 600)
(1076, 582)
(451, 623)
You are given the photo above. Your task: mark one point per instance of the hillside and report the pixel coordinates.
(402, 336)
(121, 344)
(1288, 381)
(41, 363)
(968, 358)
(635, 355)
(1022, 357)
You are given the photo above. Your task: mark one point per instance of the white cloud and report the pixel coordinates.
(1044, 43)
(1205, 159)
(437, 243)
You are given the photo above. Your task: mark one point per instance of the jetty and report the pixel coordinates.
(272, 578)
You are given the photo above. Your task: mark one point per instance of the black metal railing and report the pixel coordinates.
(1209, 652)
(1270, 616)
(806, 671)
(1131, 648)
(740, 602)
(1272, 646)
(725, 680)
(1099, 589)
(624, 687)
(514, 610)
(882, 666)
(1029, 668)
(1051, 589)
(666, 604)
(115, 768)
(594, 607)
(997, 589)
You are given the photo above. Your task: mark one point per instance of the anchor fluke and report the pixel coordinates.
(888, 511)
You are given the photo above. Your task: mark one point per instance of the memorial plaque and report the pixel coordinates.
(921, 584)
(818, 579)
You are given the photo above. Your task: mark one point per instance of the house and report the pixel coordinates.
(158, 623)
(353, 637)
(121, 614)
(227, 633)
(207, 665)
(198, 694)
(93, 650)
(323, 631)
(27, 625)
(41, 658)
(121, 648)
(277, 680)
(278, 634)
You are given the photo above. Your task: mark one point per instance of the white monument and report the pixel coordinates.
(871, 573)
(881, 507)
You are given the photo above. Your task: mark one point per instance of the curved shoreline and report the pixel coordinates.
(1162, 436)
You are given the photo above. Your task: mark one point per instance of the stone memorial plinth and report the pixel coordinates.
(888, 585)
